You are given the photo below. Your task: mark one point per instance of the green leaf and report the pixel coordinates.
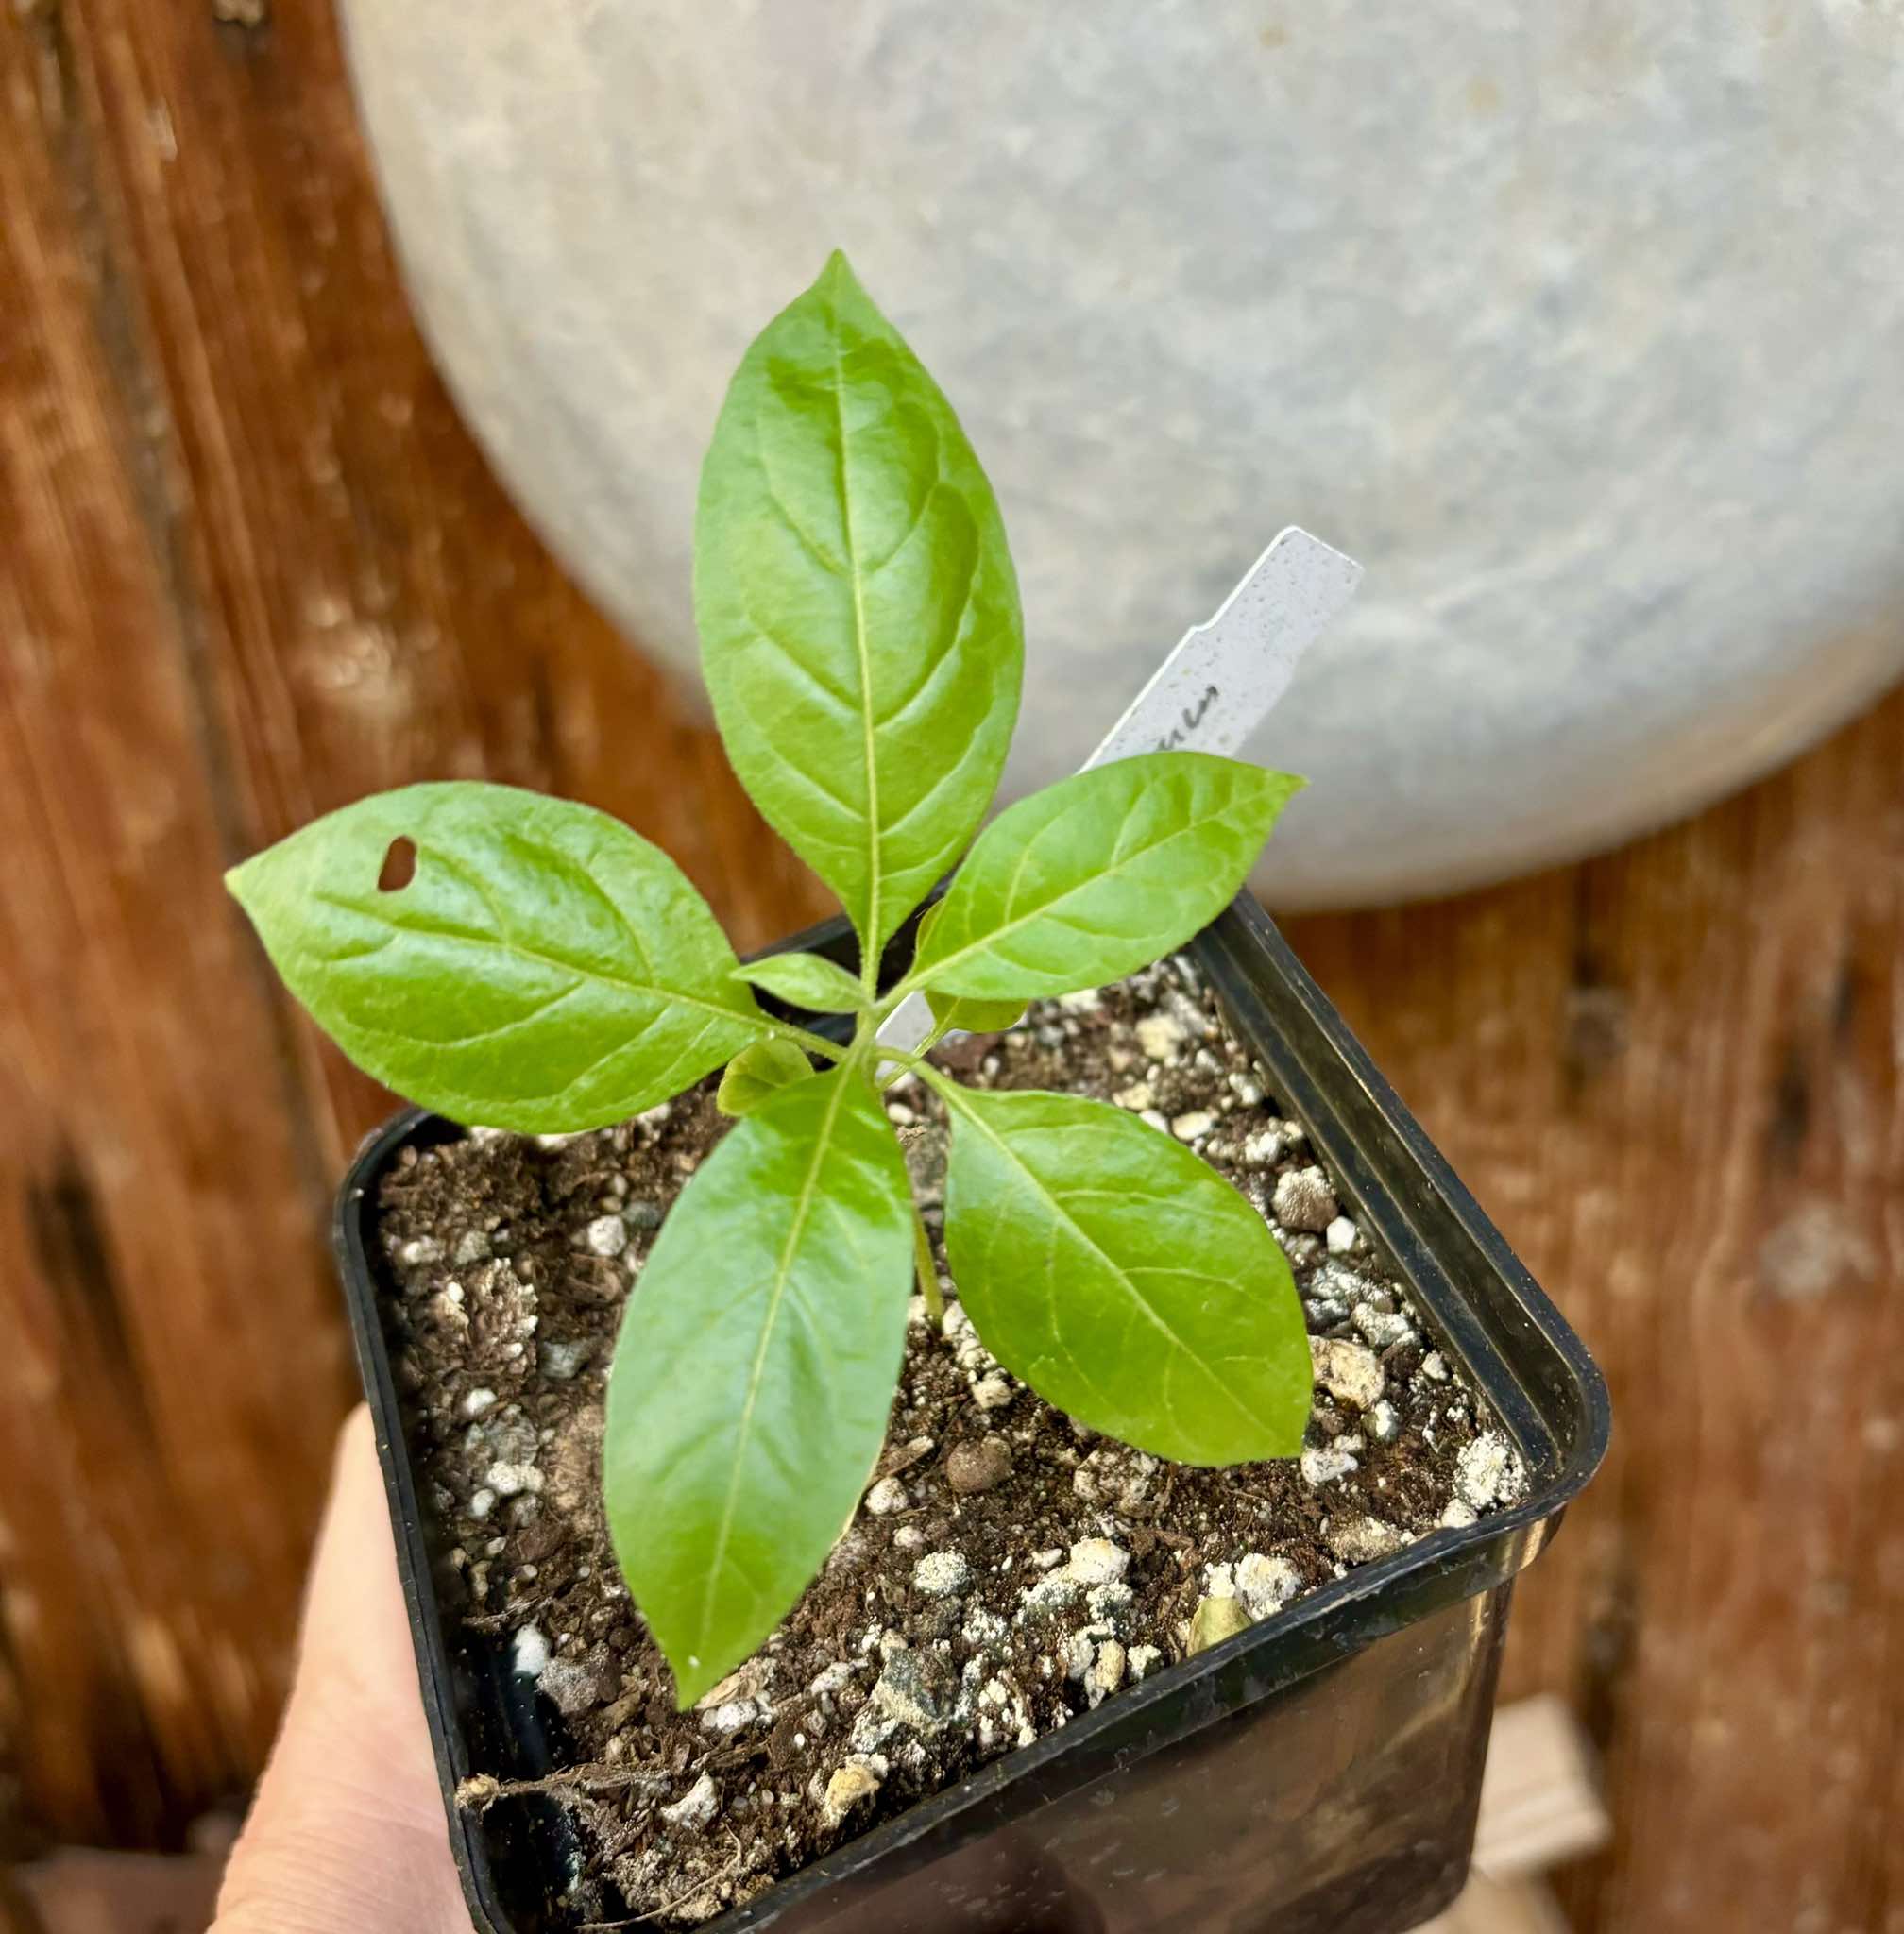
(758, 1072)
(1100, 875)
(859, 613)
(1124, 1279)
(754, 1375)
(974, 1017)
(543, 968)
(805, 981)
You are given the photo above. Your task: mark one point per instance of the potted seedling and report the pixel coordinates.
(1069, 1481)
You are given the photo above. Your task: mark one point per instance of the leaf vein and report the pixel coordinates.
(756, 1373)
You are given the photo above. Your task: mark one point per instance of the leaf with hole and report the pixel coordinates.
(805, 981)
(751, 1385)
(543, 969)
(858, 614)
(759, 1072)
(1123, 1278)
(1100, 874)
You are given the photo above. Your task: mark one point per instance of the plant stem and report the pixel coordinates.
(928, 1270)
(898, 992)
(909, 1060)
(800, 1037)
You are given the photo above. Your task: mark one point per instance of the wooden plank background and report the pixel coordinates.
(254, 568)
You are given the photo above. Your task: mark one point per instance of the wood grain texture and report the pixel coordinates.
(1676, 1079)
(254, 568)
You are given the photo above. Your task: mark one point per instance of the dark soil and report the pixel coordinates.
(1008, 1570)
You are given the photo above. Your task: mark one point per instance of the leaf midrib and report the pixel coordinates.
(1049, 908)
(782, 1275)
(871, 935)
(508, 945)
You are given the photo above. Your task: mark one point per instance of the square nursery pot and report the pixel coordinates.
(1319, 1771)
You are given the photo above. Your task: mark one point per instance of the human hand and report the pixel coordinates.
(347, 1833)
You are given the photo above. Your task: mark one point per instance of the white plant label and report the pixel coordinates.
(1219, 684)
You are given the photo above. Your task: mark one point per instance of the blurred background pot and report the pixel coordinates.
(1582, 327)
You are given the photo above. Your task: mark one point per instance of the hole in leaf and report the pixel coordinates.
(399, 865)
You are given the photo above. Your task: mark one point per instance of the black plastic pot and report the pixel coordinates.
(1319, 1771)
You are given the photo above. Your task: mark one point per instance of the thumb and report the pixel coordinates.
(347, 1835)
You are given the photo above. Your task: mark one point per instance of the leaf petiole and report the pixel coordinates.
(899, 992)
(928, 1270)
(800, 1037)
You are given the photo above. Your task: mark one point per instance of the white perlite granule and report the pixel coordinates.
(942, 1574)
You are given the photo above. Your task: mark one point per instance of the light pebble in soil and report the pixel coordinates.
(1303, 1200)
(1322, 1467)
(560, 1360)
(972, 1468)
(854, 1782)
(1350, 1371)
(886, 1497)
(696, 1807)
(1160, 1036)
(1487, 1471)
(1384, 1329)
(905, 1691)
(942, 1574)
(1362, 1540)
(1266, 1584)
(607, 1235)
(511, 1479)
(1106, 1673)
(1097, 1561)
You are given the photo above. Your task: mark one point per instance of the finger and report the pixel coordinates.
(347, 1835)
